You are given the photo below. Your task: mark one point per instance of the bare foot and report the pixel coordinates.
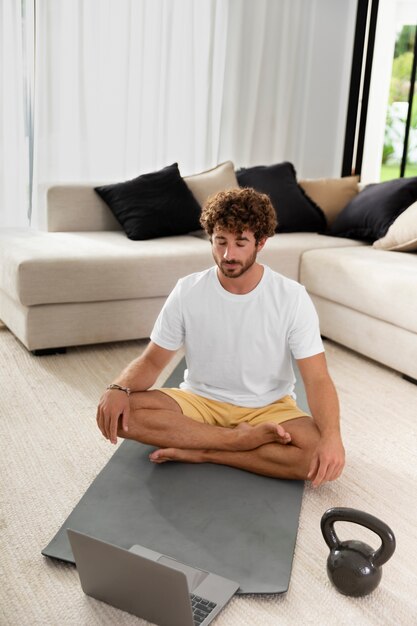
(176, 454)
(251, 437)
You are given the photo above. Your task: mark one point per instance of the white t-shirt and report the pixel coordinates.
(238, 347)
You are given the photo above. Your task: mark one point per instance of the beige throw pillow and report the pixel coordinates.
(331, 194)
(211, 181)
(402, 234)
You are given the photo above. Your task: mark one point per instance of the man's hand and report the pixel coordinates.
(140, 375)
(113, 404)
(328, 460)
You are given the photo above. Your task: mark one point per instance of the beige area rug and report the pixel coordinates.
(51, 450)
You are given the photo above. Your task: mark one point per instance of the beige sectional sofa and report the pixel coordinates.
(83, 281)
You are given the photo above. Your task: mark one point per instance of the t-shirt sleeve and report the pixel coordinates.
(168, 331)
(304, 334)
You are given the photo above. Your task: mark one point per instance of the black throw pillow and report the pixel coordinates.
(295, 211)
(158, 204)
(372, 211)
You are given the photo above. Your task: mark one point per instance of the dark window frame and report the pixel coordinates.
(410, 107)
(359, 86)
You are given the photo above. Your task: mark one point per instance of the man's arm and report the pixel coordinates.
(329, 458)
(139, 375)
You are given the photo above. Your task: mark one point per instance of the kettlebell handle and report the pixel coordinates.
(342, 514)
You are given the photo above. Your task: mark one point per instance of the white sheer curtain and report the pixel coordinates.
(125, 86)
(128, 86)
(14, 176)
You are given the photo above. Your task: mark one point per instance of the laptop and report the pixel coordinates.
(148, 584)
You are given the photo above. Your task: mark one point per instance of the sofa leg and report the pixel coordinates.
(410, 379)
(49, 351)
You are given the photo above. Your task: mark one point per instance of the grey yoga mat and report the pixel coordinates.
(220, 519)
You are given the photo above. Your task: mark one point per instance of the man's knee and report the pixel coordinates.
(306, 441)
(293, 463)
(305, 437)
(304, 433)
(143, 407)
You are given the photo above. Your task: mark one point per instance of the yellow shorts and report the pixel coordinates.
(228, 415)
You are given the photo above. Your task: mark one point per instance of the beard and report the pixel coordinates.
(235, 269)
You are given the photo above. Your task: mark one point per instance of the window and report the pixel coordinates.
(399, 157)
(390, 146)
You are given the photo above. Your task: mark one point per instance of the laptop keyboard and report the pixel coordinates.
(201, 608)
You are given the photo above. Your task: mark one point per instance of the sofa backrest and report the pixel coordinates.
(77, 207)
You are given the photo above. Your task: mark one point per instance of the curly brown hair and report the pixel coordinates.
(237, 210)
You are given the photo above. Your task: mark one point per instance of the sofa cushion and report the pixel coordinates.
(295, 211)
(157, 204)
(45, 268)
(374, 282)
(205, 184)
(369, 215)
(402, 234)
(283, 252)
(41, 268)
(331, 194)
(76, 207)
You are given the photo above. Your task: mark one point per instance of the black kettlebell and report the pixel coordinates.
(353, 567)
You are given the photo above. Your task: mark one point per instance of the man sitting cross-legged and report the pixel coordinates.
(239, 323)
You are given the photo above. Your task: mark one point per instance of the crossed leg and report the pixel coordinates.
(269, 449)
(279, 460)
